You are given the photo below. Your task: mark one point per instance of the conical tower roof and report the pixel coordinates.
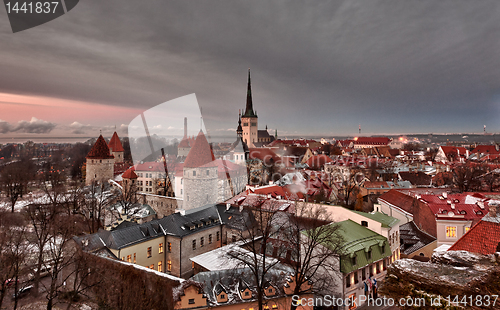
(129, 174)
(100, 150)
(249, 112)
(115, 144)
(200, 154)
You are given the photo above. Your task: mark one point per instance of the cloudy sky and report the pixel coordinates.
(318, 67)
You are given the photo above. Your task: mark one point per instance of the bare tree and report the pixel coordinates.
(260, 226)
(14, 179)
(13, 254)
(316, 245)
(13, 251)
(465, 177)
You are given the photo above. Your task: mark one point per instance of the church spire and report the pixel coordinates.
(249, 107)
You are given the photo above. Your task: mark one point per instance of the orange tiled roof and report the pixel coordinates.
(129, 174)
(115, 144)
(483, 238)
(100, 150)
(200, 154)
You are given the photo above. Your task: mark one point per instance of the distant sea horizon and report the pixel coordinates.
(423, 137)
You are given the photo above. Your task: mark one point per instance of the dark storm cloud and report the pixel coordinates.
(317, 67)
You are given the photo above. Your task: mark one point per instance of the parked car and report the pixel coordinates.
(44, 271)
(23, 292)
(10, 282)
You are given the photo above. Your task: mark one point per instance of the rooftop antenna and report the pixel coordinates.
(359, 130)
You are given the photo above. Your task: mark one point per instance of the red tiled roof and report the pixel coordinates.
(184, 142)
(115, 144)
(372, 140)
(318, 161)
(482, 238)
(268, 156)
(200, 154)
(376, 184)
(100, 150)
(485, 149)
(150, 167)
(129, 174)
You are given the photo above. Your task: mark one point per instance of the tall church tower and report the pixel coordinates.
(249, 119)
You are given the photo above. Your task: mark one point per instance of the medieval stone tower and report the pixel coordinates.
(116, 148)
(200, 175)
(100, 162)
(249, 119)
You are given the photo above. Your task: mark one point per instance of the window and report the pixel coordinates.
(169, 245)
(210, 238)
(218, 237)
(160, 248)
(385, 264)
(202, 241)
(222, 296)
(135, 259)
(192, 265)
(364, 223)
(123, 258)
(270, 290)
(352, 302)
(356, 277)
(169, 265)
(363, 274)
(208, 172)
(247, 293)
(275, 306)
(149, 252)
(160, 267)
(467, 229)
(383, 249)
(191, 301)
(348, 281)
(353, 260)
(152, 267)
(378, 267)
(369, 254)
(451, 231)
(194, 173)
(194, 244)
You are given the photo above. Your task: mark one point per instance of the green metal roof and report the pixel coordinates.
(386, 220)
(357, 242)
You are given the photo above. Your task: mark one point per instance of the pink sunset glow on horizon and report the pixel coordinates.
(15, 108)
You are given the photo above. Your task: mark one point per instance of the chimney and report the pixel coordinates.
(185, 127)
(445, 195)
(453, 206)
(228, 206)
(493, 210)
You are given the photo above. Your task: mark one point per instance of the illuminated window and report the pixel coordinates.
(160, 266)
(352, 301)
(135, 259)
(275, 306)
(192, 265)
(152, 266)
(169, 265)
(169, 245)
(129, 258)
(194, 244)
(451, 231)
(160, 248)
(149, 252)
(467, 229)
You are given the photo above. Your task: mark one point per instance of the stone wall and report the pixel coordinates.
(99, 170)
(200, 187)
(162, 205)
